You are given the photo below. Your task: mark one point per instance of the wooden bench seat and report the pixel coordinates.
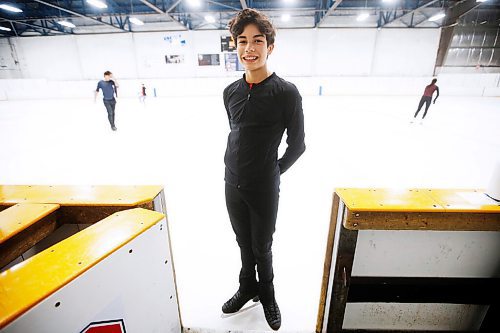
(24, 225)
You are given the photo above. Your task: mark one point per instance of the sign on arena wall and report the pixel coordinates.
(113, 326)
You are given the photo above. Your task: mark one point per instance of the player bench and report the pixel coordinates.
(377, 213)
(77, 207)
(24, 225)
(117, 248)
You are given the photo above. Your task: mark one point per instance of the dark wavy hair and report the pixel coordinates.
(252, 16)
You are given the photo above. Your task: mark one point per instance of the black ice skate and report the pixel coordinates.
(273, 315)
(235, 303)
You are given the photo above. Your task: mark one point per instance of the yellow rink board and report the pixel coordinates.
(417, 200)
(17, 218)
(102, 195)
(30, 282)
(471, 201)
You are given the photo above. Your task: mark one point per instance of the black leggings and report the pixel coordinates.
(427, 100)
(110, 107)
(253, 218)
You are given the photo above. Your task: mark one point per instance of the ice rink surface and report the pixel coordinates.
(352, 141)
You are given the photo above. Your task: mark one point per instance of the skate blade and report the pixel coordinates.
(246, 308)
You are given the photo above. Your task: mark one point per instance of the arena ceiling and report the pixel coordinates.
(57, 17)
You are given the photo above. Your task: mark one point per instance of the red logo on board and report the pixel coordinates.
(111, 326)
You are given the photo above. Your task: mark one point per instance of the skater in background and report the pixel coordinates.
(260, 107)
(427, 98)
(142, 94)
(109, 87)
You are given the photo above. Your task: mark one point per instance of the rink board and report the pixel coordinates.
(119, 269)
(416, 236)
(99, 195)
(25, 230)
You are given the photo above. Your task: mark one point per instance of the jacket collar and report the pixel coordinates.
(245, 83)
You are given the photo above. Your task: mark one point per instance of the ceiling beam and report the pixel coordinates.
(38, 27)
(153, 7)
(460, 9)
(171, 9)
(173, 6)
(223, 5)
(411, 12)
(329, 12)
(78, 14)
(14, 28)
(243, 4)
(158, 10)
(453, 14)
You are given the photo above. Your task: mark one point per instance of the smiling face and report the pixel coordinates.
(253, 49)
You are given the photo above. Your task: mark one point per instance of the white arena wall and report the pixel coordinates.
(340, 61)
(450, 85)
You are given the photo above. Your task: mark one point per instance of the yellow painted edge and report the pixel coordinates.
(438, 205)
(482, 210)
(96, 195)
(468, 207)
(343, 194)
(30, 282)
(9, 218)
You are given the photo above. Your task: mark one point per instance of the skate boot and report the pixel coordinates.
(273, 315)
(235, 303)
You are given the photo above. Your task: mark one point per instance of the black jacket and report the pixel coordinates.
(258, 117)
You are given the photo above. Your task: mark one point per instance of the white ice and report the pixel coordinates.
(352, 141)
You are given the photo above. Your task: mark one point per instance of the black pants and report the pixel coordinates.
(427, 100)
(110, 107)
(253, 218)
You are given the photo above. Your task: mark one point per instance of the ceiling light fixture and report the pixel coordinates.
(437, 17)
(67, 24)
(5, 29)
(98, 4)
(194, 3)
(136, 21)
(11, 8)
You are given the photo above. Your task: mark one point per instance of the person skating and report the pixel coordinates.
(109, 88)
(259, 106)
(142, 94)
(427, 98)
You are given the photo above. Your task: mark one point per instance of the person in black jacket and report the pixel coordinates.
(259, 106)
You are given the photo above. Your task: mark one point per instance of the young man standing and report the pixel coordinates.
(427, 98)
(109, 91)
(260, 106)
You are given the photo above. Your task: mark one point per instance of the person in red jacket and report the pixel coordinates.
(427, 98)
(142, 94)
